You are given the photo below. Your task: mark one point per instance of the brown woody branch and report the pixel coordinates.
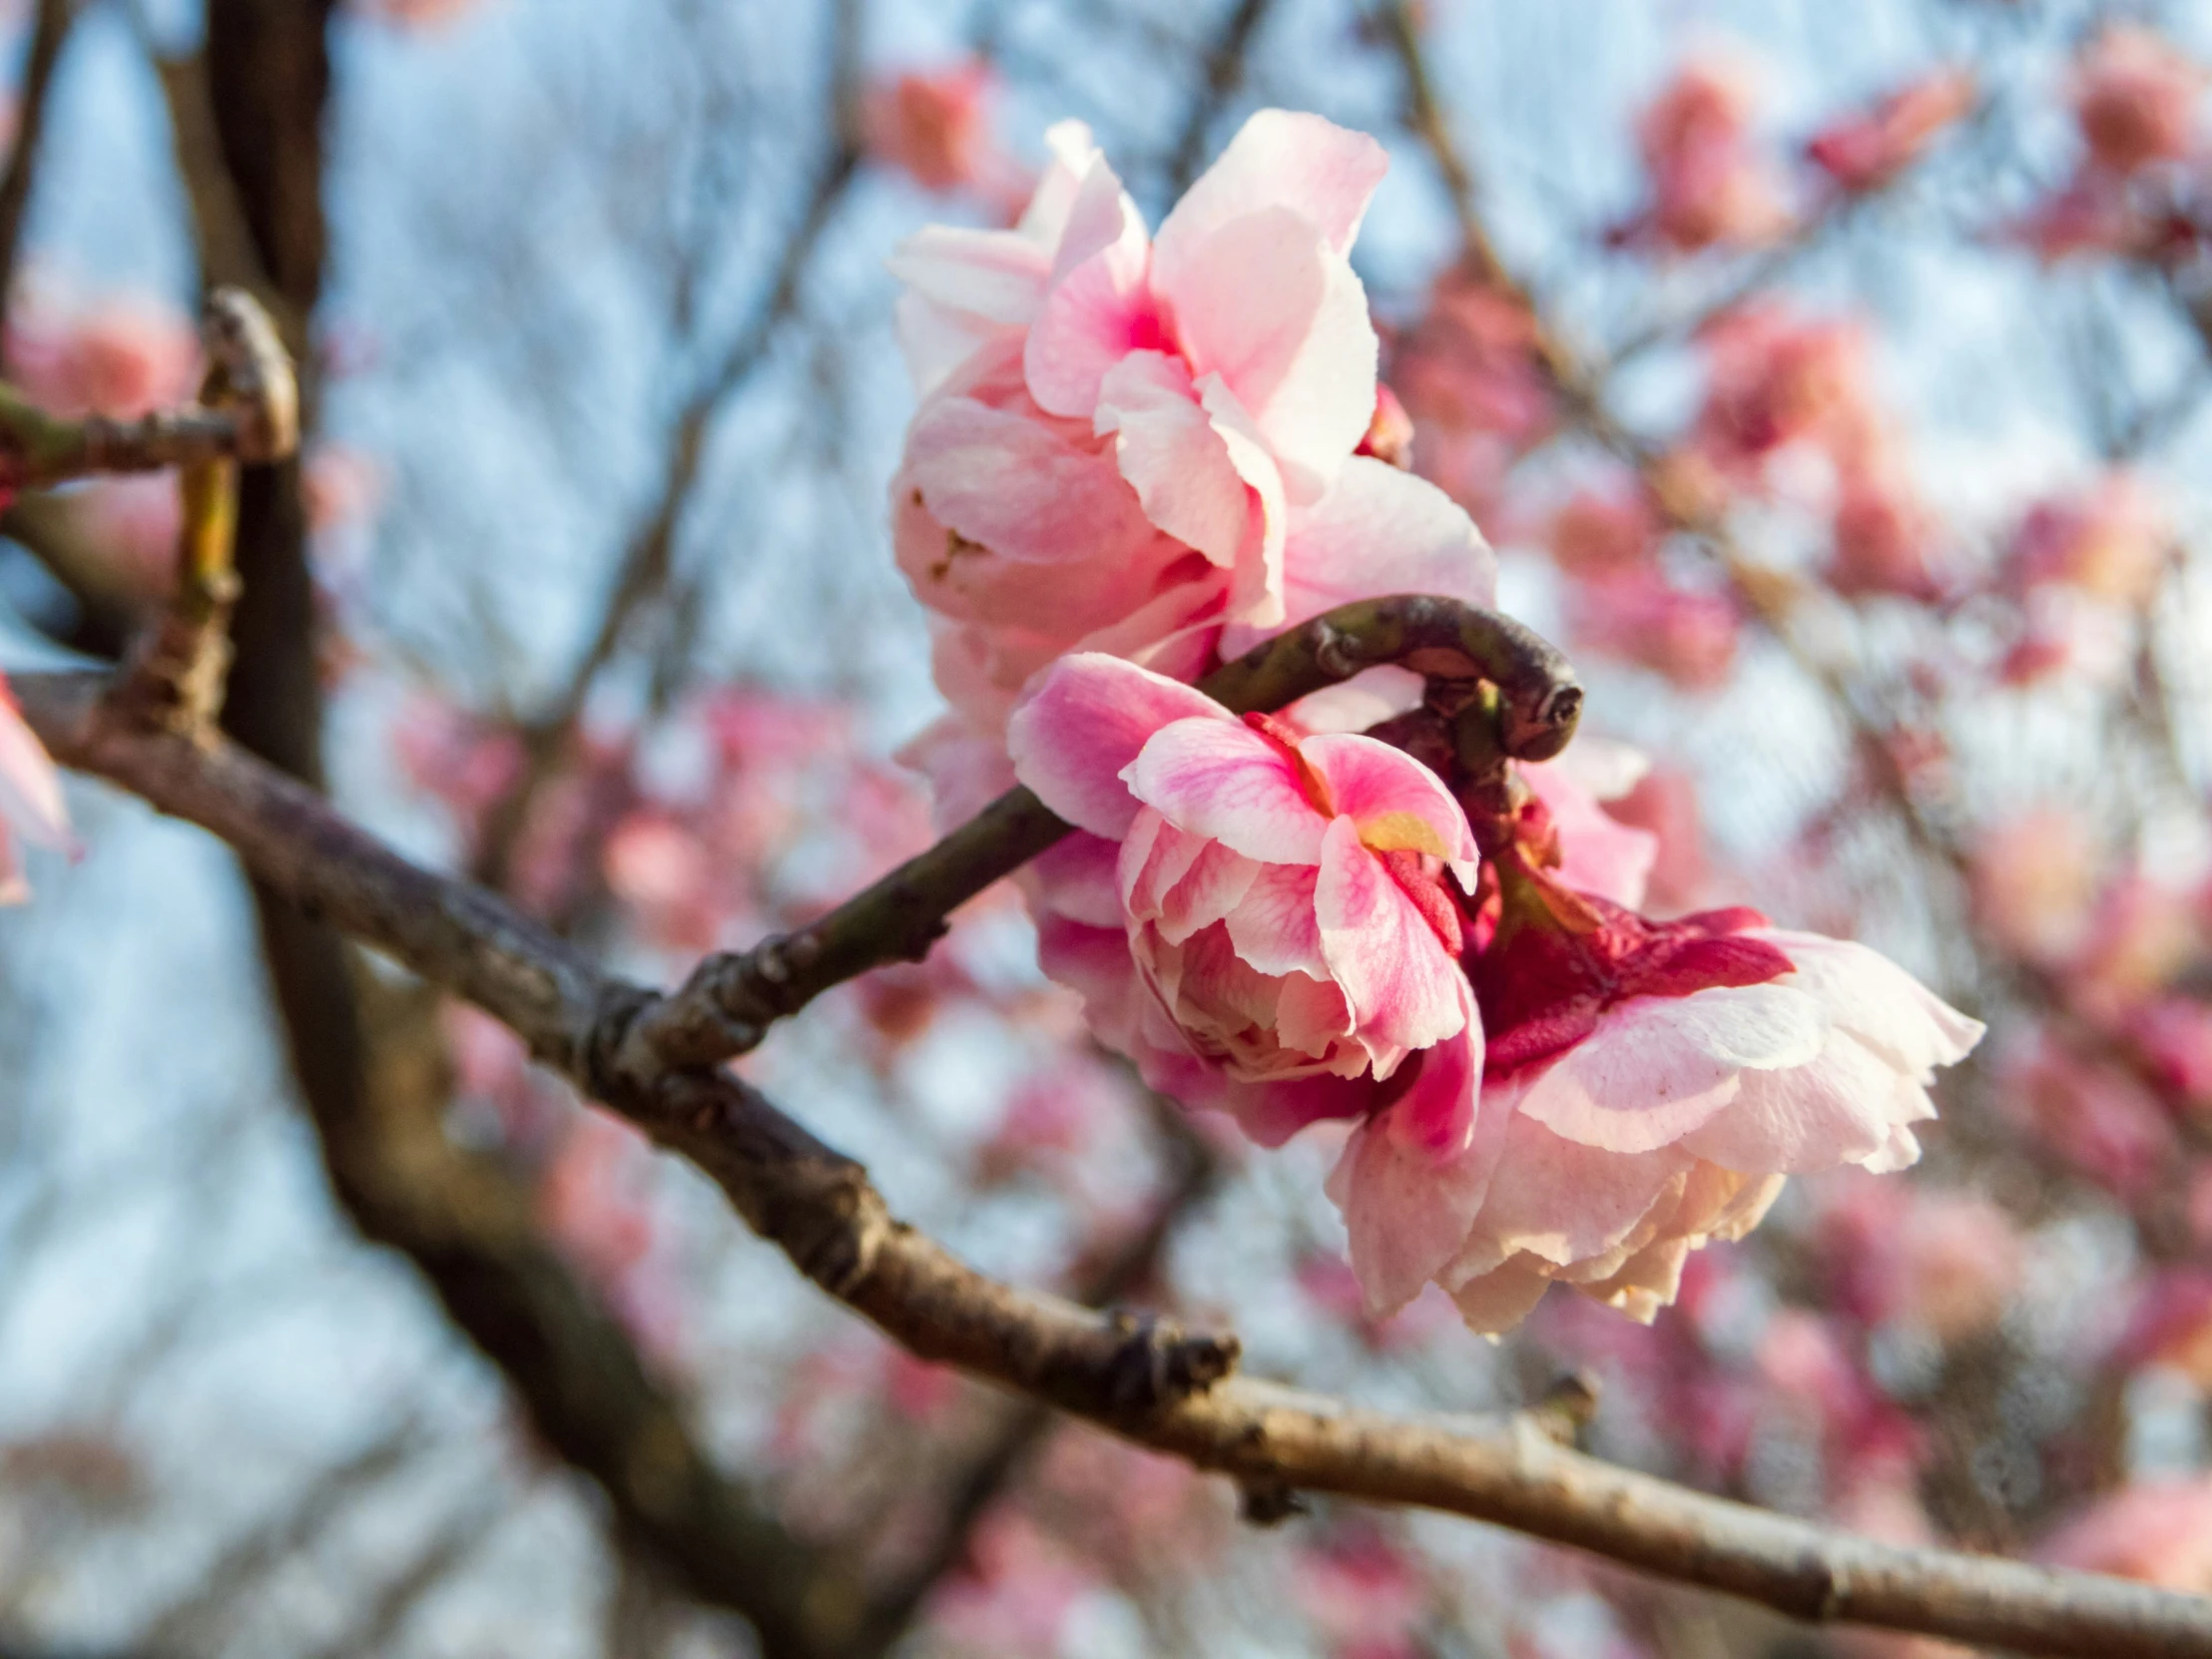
(49, 32)
(1148, 1382)
(253, 417)
(730, 999)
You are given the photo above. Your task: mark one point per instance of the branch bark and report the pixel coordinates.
(49, 31)
(1148, 1382)
(727, 1005)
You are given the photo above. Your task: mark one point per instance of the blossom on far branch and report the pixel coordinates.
(1866, 149)
(31, 804)
(2135, 100)
(1710, 185)
(935, 125)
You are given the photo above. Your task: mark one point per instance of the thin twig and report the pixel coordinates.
(49, 30)
(727, 1005)
(1148, 1382)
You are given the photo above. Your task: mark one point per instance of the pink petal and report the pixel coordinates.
(1085, 723)
(1438, 1113)
(1405, 993)
(1370, 783)
(1405, 1212)
(1154, 856)
(967, 770)
(1834, 1110)
(1286, 157)
(1877, 1001)
(993, 275)
(1020, 488)
(1656, 1068)
(937, 339)
(1221, 779)
(1095, 964)
(1167, 448)
(1214, 884)
(1256, 594)
(1075, 154)
(1271, 1113)
(1378, 531)
(1368, 699)
(1565, 1202)
(1274, 927)
(1284, 322)
(1495, 1302)
(1313, 1017)
(1074, 878)
(1598, 853)
(1098, 308)
(30, 788)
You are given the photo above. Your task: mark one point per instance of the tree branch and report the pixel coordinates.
(727, 1005)
(1148, 1382)
(49, 29)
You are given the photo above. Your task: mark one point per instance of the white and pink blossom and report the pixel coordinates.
(1147, 446)
(1261, 920)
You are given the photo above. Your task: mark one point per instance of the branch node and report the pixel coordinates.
(1267, 1502)
(1158, 1364)
(1568, 1406)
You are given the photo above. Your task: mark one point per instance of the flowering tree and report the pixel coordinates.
(1327, 1070)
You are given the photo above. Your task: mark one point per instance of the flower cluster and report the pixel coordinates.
(1134, 456)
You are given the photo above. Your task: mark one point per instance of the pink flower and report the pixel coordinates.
(2135, 99)
(1256, 917)
(1881, 537)
(1864, 151)
(1652, 1083)
(1471, 379)
(30, 799)
(2112, 543)
(1147, 446)
(118, 357)
(2104, 1123)
(1775, 378)
(1598, 852)
(932, 125)
(1687, 635)
(1708, 186)
(1944, 1261)
(2033, 879)
(1666, 804)
(2159, 1531)
(1602, 533)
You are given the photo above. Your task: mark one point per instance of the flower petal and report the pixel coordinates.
(1211, 887)
(1221, 779)
(1284, 322)
(1378, 531)
(1374, 784)
(1280, 157)
(1274, 927)
(1405, 1212)
(1087, 719)
(1836, 1109)
(1878, 1002)
(1406, 992)
(1657, 1067)
(1566, 1202)
(1168, 450)
(1495, 1302)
